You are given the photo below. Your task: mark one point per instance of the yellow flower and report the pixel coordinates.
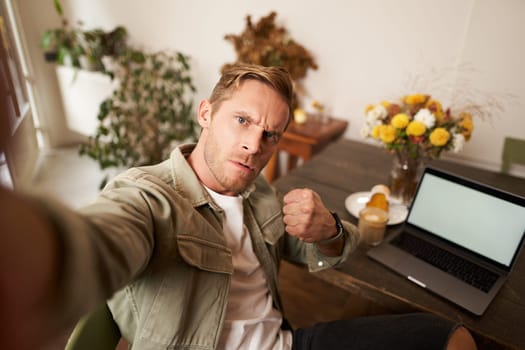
(439, 137)
(435, 107)
(418, 123)
(375, 131)
(387, 133)
(318, 106)
(466, 124)
(416, 99)
(369, 108)
(416, 128)
(400, 120)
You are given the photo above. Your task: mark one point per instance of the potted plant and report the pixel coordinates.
(72, 46)
(62, 45)
(150, 111)
(99, 44)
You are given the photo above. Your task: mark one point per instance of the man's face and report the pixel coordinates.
(240, 136)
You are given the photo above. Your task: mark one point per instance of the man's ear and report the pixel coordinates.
(204, 113)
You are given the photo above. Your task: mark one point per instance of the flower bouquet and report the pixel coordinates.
(415, 129)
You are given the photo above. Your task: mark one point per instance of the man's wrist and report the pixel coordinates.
(340, 231)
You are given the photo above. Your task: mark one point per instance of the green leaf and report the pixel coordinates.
(58, 7)
(47, 39)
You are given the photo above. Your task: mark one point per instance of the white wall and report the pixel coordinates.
(367, 51)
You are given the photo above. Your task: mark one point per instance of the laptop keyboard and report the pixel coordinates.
(457, 266)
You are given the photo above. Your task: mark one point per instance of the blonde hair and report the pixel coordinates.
(277, 78)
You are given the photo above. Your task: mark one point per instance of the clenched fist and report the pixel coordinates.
(306, 217)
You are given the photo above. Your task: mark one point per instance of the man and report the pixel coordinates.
(188, 250)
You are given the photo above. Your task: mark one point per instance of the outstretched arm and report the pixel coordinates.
(28, 251)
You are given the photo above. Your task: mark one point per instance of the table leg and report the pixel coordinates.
(292, 162)
(272, 168)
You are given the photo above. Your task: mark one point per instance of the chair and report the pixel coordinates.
(513, 152)
(95, 331)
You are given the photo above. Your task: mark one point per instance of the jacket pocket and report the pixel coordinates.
(273, 229)
(205, 255)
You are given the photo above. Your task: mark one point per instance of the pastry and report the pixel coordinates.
(379, 197)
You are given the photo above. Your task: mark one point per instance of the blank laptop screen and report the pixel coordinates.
(478, 221)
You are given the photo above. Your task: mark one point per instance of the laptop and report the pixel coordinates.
(460, 240)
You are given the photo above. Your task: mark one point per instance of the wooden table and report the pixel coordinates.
(348, 166)
(303, 141)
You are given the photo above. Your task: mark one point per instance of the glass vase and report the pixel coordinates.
(404, 177)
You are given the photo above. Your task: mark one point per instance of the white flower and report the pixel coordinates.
(365, 131)
(458, 141)
(375, 114)
(426, 117)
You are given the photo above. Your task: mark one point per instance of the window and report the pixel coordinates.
(19, 155)
(11, 72)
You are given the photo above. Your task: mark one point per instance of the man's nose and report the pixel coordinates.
(252, 141)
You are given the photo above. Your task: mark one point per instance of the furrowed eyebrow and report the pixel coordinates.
(276, 134)
(250, 120)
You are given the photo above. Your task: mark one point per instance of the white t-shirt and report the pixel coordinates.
(251, 322)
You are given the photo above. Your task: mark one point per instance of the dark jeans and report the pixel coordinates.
(407, 331)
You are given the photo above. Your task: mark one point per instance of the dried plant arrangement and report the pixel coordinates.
(267, 44)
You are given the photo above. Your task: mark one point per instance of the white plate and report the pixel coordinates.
(356, 201)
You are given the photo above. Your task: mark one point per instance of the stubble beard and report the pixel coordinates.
(216, 162)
